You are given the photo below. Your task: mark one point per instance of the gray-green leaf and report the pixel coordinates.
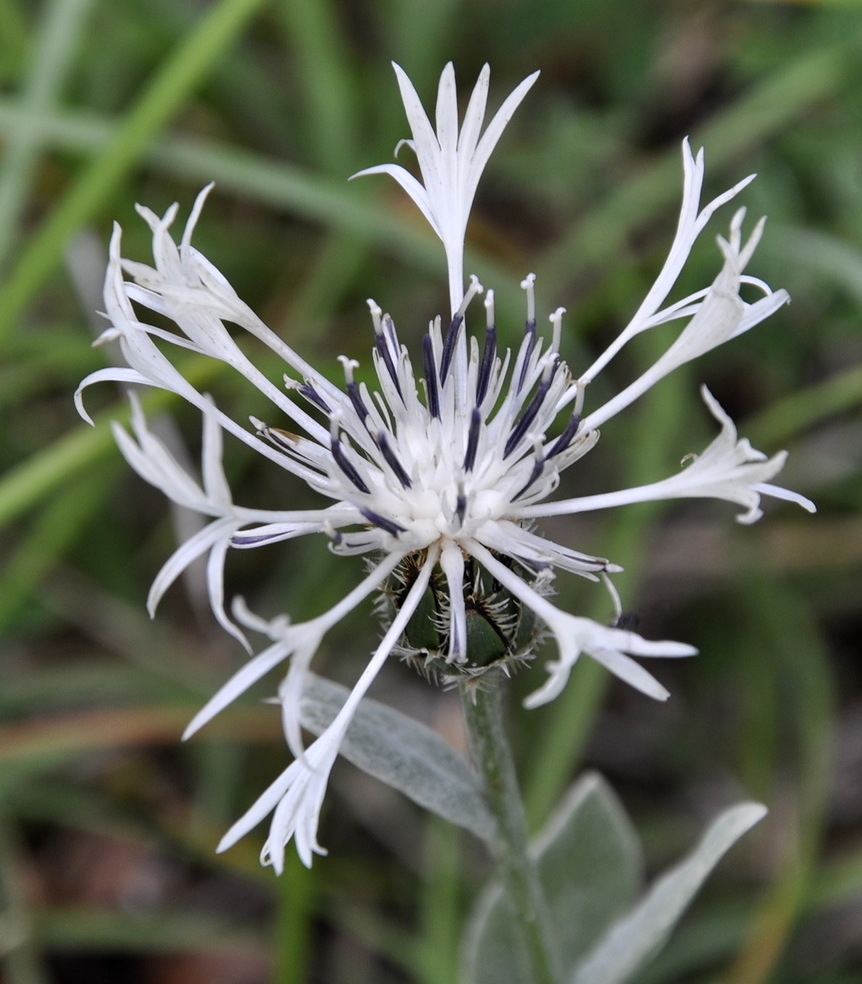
(638, 936)
(589, 865)
(404, 754)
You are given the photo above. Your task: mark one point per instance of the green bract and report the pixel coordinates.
(500, 629)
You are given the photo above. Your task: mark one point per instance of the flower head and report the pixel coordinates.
(439, 472)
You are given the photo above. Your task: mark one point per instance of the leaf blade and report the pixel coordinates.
(634, 939)
(402, 753)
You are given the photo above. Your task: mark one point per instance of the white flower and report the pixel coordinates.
(437, 474)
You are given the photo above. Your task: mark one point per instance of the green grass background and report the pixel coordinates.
(107, 823)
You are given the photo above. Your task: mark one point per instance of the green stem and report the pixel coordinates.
(484, 713)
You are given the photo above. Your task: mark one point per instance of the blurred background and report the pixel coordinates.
(107, 822)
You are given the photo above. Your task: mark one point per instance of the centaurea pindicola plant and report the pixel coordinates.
(440, 474)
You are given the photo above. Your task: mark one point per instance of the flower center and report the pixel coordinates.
(441, 456)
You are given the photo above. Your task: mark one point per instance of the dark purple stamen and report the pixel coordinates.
(538, 465)
(472, 439)
(430, 376)
(357, 401)
(527, 417)
(279, 438)
(344, 464)
(311, 394)
(449, 346)
(461, 507)
(355, 542)
(386, 354)
(527, 347)
(565, 439)
(626, 620)
(392, 460)
(241, 540)
(387, 525)
(488, 354)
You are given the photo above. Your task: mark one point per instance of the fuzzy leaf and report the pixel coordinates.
(588, 861)
(404, 754)
(637, 937)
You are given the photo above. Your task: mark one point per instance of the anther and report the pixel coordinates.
(346, 466)
(449, 346)
(311, 394)
(455, 327)
(275, 435)
(527, 346)
(473, 439)
(460, 505)
(352, 389)
(489, 353)
(527, 417)
(387, 525)
(392, 460)
(566, 438)
(538, 466)
(244, 540)
(431, 385)
(385, 353)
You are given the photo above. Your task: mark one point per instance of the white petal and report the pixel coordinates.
(298, 813)
(414, 189)
(425, 143)
(728, 469)
(264, 805)
(194, 215)
(499, 123)
(452, 564)
(186, 554)
(447, 113)
(300, 789)
(631, 672)
(110, 375)
(519, 543)
(215, 589)
(575, 636)
(249, 674)
(215, 483)
(474, 115)
(777, 492)
(692, 221)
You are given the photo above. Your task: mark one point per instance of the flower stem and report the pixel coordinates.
(484, 714)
